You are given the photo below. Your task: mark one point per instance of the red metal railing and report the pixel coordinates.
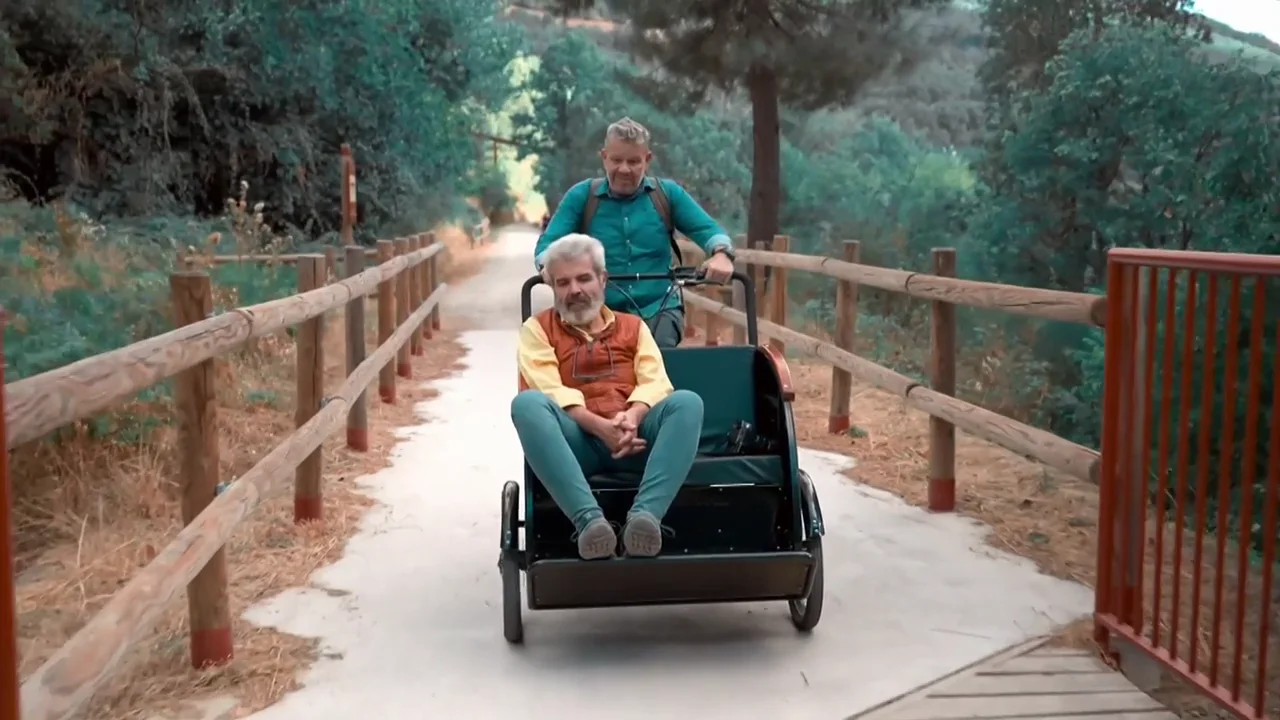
(1190, 483)
(8, 599)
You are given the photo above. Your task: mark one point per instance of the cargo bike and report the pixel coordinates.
(747, 523)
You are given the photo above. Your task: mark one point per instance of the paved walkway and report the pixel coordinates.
(1030, 680)
(410, 618)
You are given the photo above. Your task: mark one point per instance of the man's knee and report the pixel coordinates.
(685, 402)
(667, 329)
(528, 405)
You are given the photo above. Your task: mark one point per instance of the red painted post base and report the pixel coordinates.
(435, 323)
(358, 439)
(838, 424)
(942, 494)
(211, 648)
(416, 350)
(712, 342)
(308, 509)
(388, 395)
(404, 370)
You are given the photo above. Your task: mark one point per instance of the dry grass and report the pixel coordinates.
(1034, 512)
(91, 513)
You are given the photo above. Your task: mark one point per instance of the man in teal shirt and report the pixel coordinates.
(634, 215)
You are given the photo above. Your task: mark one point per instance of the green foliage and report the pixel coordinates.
(577, 91)
(72, 289)
(139, 109)
(1026, 34)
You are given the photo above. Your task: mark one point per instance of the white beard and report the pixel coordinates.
(582, 317)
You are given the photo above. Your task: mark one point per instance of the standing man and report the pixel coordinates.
(635, 216)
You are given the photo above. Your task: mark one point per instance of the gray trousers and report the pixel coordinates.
(667, 327)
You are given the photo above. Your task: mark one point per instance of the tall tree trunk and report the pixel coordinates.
(766, 164)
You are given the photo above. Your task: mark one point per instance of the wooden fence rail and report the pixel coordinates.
(1035, 302)
(1019, 437)
(406, 286)
(53, 399)
(944, 291)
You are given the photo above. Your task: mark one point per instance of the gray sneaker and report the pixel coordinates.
(597, 540)
(642, 535)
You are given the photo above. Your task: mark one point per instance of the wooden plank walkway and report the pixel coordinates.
(1029, 681)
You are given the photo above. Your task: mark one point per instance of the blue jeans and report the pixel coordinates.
(563, 455)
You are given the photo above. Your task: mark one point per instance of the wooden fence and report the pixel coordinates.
(408, 292)
(937, 398)
(1124, 624)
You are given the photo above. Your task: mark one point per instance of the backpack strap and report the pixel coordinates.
(589, 208)
(662, 204)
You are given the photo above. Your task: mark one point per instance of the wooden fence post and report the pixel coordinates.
(330, 264)
(415, 294)
(428, 286)
(942, 378)
(386, 322)
(348, 170)
(436, 280)
(781, 243)
(9, 681)
(403, 367)
(760, 277)
(209, 611)
(308, 499)
(713, 320)
(738, 301)
(358, 418)
(846, 327)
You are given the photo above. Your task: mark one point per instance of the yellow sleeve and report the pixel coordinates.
(652, 383)
(539, 367)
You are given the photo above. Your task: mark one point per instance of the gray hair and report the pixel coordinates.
(627, 130)
(571, 247)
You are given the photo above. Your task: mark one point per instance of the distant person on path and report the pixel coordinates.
(635, 216)
(593, 393)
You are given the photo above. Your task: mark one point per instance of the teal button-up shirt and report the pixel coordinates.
(635, 239)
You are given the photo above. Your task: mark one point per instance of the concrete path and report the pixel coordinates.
(410, 618)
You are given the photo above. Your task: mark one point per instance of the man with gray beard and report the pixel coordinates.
(594, 391)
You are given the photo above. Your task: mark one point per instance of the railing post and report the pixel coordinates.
(738, 300)
(403, 367)
(760, 278)
(942, 378)
(781, 244)
(358, 418)
(712, 329)
(208, 609)
(308, 499)
(415, 294)
(436, 280)
(330, 264)
(428, 286)
(8, 568)
(348, 168)
(846, 327)
(386, 323)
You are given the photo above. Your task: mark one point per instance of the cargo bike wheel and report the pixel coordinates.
(807, 611)
(509, 564)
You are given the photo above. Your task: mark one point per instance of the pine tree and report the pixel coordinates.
(803, 53)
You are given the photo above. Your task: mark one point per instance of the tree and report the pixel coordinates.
(1023, 35)
(139, 108)
(806, 53)
(577, 90)
(1134, 140)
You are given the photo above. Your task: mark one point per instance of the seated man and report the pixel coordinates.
(594, 391)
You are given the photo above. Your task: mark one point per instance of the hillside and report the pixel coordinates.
(939, 99)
